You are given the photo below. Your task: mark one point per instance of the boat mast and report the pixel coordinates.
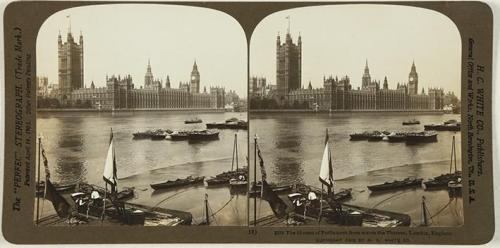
(455, 153)
(424, 212)
(451, 156)
(38, 181)
(236, 148)
(255, 181)
(207, 216)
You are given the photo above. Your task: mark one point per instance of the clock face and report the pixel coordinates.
(193, 78)
(411, 78)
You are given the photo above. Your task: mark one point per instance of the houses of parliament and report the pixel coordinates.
(120, 91)
(338, 94)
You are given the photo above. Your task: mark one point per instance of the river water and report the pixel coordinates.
(76, 144)
(292, 145)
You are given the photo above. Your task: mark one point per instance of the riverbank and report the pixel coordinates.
(183, 110)
(365, 111)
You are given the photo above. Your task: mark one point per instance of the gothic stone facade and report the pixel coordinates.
(120, 93)
(70, 63)
(288, 65)
(338, 95)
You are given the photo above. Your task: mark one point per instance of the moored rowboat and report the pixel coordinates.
(177, 183)
(405, 183)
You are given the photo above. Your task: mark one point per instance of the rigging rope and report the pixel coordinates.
(169, 197)
(216, 212)
(380, 202)
(212, 215)
(442, 209)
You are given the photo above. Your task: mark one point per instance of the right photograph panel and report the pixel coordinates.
(355, 118)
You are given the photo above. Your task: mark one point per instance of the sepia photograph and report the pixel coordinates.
(355, 118)
(141, 117)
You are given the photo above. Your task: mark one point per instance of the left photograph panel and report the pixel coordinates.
(141, 117)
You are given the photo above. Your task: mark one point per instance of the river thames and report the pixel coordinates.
(76, 144)
(292, 145)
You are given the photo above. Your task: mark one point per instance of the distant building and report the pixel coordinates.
(231, 97)
(288, 65)
(150, 83)
(413, 80)
(195, 79)
(366, 80)
(219, 93)
(53, 90)
(120, 92)
(258, 86)
(42, 86)
(70, 64)
(270, 90)
(338, 94)
(185, 86)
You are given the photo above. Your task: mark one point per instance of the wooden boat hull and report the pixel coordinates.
(217, 181)
(396, 138)
(203, 137)
(434, 127)
(193, 122)
(375, 138)
(421, 139)
(125, 194)
(141, 136)
(238, 184)
(454, 188)
(59, 188)
(256, 191)
(395, 185)
(155, 134)
(442, 180)
(355, 137)
(174, 184)
(176, 137)
(158, 137)
(239, 125)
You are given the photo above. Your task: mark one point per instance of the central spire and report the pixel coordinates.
(195, 66)
(288, 28)
(69, 23)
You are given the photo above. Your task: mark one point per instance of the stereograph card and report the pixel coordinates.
(248, 122)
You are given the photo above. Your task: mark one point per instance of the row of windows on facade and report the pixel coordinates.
(383, 100)
(124, 99)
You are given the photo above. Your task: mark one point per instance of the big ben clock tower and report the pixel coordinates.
(195, 79)
(413, 80)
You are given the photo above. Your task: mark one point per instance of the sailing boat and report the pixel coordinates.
(237, 182)
(109, 173)
(326, 175)
(109, 177)
(444, 179)
(240, 174)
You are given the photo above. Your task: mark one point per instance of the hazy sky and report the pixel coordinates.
(119, 39)
(337, 39)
